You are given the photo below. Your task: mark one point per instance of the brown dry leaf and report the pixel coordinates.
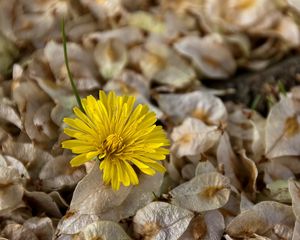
(42, 120)
(163, 65)
(11, 189)
(282, 232)
(229, 161)
(173, 167)
(103, 9)
(58, 174)
(92, 196)
(128, 35)
(82, 66)
(247, 173)
(209, 54)
(42, 202)
(139, 196)
(275, 171)
(31, 21)
(283, 130)
(74, 222)
(17, 165)
(296, 233)
(279, 191)
(247, 130)
(29, 99)
(294, 189)
(161, 221)
(204, 192)
(65, 101)
(261, 219)
(188, 171)
(245, 203)
(296, 5)
(29, 154)
(41, 227)
(238, 15)
(205, 167)
(16, 231)
(104, 230)
(209, 226)
(193, 137)
(80, 26)
(289, 31)
(147, 22)
(199, 104)
(111, 58)
(292, 163)
(132, 83)
(129, 83)
(10, 196)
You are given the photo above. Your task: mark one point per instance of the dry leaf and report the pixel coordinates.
(204, 192)
(151, 222)
(104, 230)
(193, 137)
(210, 55)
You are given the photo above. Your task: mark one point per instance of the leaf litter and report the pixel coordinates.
(232, 172)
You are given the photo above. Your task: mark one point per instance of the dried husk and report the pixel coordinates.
(16, 231)
(29, 99)
(205, 167)
(198, 104)
(279, 191)
(139, 196)
(207, 191)
(193, 137)
(161, 220)
(104, 230)
(147, 22)
(111, 58)
(42, 202)
(57, 174)
(261, 219)
(82, 66)
(41, 227)
(209, 226)
(229, 160)
(282, 130)
(294, 191)
(128, 35)
(209, 54)
(11, 187)
(164, 66)
(92, 196)
(74, 222)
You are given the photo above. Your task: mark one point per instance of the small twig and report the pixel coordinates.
(74, 88)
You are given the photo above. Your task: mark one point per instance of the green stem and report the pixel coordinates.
(255, 102)
(74, 88)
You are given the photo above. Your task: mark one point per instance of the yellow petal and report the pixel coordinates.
(79, 160)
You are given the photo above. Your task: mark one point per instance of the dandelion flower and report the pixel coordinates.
(123, 137)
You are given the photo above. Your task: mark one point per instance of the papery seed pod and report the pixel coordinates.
(151, 222)
(207, 191)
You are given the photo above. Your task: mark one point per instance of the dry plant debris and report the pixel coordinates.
(232, 172)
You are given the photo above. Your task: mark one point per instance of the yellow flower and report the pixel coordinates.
(120, 135)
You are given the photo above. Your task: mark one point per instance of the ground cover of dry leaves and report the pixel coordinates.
(231, 174)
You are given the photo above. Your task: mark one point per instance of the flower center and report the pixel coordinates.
(112, 144)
